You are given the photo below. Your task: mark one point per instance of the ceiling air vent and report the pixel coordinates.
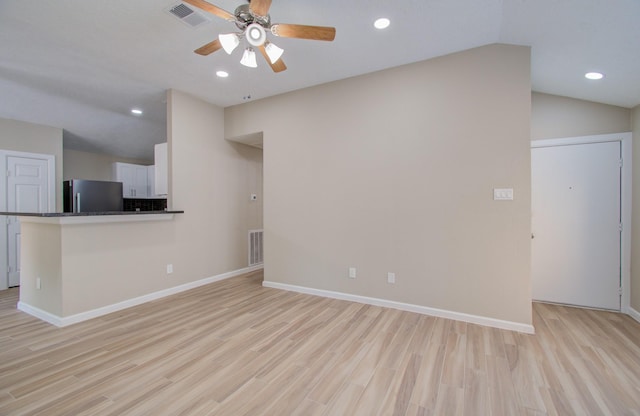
(188, 15)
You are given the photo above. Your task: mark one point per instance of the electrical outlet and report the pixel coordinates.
(391, 278)
(169, 268)
(38, 283)
(503, 194)
(352, 272)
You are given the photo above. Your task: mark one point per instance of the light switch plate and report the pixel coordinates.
(503, 194)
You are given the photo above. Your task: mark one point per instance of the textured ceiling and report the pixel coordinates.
(81, 65)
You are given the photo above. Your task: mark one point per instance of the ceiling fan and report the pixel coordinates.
(254, 22)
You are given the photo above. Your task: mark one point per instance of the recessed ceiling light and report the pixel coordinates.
(382, 23)
(593, 75)
(222, 74)
(136, 111)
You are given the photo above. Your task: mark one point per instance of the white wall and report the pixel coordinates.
(92, 166)
(34, 138)
(393, 172)
(553, 116)
(212, 180)
(21, 136)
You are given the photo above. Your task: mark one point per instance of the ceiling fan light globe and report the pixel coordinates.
(273, 52)
(229, 42)
(255, 34)
(249, 58)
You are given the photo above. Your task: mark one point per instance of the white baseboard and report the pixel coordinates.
(94, 313)
(40, 314)
(441, 313)
(634, 314)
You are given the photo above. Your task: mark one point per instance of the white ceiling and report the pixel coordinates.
(81, 65)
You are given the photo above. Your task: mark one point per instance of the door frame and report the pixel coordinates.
(625, 200)
(51, 201)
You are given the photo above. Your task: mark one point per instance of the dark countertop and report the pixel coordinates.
(85, 214)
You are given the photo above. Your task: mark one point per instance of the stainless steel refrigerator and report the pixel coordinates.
(92, 196)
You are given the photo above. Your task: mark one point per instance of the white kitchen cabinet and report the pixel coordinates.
(161, 171)
(134, 179)
(151, 184)
(151, 181)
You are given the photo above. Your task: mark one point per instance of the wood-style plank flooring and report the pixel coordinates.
(236, 348)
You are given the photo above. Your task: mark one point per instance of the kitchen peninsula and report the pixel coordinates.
(71, 263)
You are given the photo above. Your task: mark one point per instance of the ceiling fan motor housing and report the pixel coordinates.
(245, 17)
(255, 34)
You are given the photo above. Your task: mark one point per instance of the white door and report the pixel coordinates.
(27, 191)
(576, 224)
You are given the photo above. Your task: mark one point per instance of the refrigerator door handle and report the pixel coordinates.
(77, 202)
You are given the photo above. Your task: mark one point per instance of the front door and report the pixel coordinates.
(575, 205)
(27, 190)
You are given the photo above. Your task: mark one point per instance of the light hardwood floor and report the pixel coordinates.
(236, 348)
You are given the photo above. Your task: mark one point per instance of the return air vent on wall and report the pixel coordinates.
(188, 15)
(255, 247)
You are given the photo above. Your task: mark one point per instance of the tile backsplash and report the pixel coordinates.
(144, 204)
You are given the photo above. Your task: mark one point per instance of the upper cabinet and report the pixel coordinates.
(139, 181)
(134, 179)
(161, 171)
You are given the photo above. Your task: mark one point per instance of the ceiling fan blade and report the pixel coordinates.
(208, 7)
(279, 66)
(304, 32)
(260, 7)
(209, 48)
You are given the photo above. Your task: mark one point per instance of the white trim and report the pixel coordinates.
(40, 314)
(94, 313)
(568, 141)
(95, 219)
(633, 313)
(625, 203)
(424, 310)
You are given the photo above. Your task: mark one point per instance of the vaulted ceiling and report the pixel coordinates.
(82, 65)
